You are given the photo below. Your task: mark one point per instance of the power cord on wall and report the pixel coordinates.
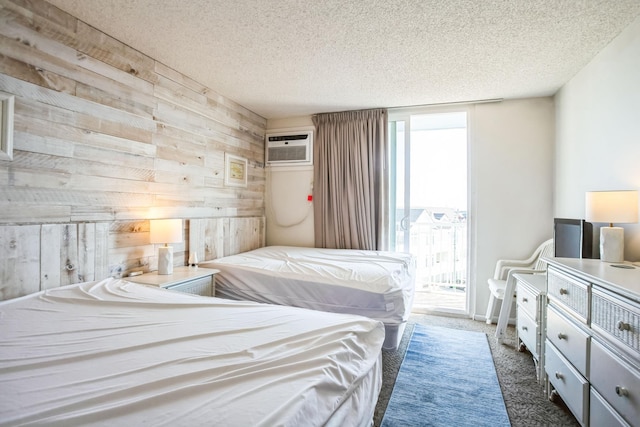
(273, 212)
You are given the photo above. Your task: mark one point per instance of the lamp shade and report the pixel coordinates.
(611, 206)
(165, 231)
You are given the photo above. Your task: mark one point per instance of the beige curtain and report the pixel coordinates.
(351, 182)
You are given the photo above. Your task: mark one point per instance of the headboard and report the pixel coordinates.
(42, 256)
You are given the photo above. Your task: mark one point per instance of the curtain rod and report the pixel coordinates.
(441, 104)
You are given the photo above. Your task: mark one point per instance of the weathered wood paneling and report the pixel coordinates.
(20, 260)
(243, 234)
(101, 251)
(106, 138)
(206, 238)
(217, 237)
(46, 256)
(105, 133)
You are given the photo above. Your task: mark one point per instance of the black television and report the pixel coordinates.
(573, 238)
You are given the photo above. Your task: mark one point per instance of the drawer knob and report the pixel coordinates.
(562, 336)
(559, 375)
(623, 326)
(524, 328)
(621, 391)
(525, 299)
(563, 291)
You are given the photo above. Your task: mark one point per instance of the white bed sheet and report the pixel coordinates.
(376, 284)
(119, 353)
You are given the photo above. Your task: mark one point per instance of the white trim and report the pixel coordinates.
(404, 114)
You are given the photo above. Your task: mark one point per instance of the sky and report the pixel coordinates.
(438, 162)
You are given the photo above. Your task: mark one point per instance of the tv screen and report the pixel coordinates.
(573, 238)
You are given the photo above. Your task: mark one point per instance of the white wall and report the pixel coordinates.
(289, 215)
(598, 131)
(511, 169)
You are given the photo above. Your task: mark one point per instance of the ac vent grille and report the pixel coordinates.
(287, 153)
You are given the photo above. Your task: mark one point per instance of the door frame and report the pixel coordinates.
(404, 114)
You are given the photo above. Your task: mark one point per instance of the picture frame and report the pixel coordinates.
(235, 170)
(6, 125)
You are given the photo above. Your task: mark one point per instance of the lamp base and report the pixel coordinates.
(611, 244)
(165, 260)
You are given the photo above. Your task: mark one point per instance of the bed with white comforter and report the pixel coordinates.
(117, 353)
(375, 284)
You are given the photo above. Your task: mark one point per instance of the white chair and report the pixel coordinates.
(503, 283)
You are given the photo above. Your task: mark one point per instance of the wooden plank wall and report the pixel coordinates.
(211, 238)
(105, 133)
(106, 138)
(45, 256)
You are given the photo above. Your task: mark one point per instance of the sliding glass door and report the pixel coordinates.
(429, 204)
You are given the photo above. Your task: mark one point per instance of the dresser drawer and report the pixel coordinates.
(528, 333)
(569, 292)
(617, 320)
(567, 336)
(601, 414)
(527, 301)
(568, 382)
(616, 381)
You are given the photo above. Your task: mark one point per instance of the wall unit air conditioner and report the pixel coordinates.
(291, 148)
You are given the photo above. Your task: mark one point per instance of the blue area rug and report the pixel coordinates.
(447, 378)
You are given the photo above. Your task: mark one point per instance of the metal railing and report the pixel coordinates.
(441, 254)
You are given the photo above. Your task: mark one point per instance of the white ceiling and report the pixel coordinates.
(287, 58)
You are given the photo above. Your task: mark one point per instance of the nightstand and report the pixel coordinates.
(531, 291)
(191, 280)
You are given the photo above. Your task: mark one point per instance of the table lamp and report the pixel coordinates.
(612, 206)
(165, 231)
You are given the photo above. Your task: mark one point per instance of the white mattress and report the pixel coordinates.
(118, 353)
(375, 284)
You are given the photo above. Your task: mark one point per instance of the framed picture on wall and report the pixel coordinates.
(235, 171)
(6, 126)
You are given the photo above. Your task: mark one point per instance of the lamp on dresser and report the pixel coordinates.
(612, 207)
(165, 231)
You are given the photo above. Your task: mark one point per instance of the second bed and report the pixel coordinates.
(376, 284)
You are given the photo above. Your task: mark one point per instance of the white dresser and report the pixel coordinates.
(592, 347)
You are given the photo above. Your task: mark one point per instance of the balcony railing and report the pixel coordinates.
(440, 248)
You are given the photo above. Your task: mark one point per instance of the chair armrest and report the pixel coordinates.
(530, 262)
(504, 265)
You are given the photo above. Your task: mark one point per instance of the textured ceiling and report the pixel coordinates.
(286, 58)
